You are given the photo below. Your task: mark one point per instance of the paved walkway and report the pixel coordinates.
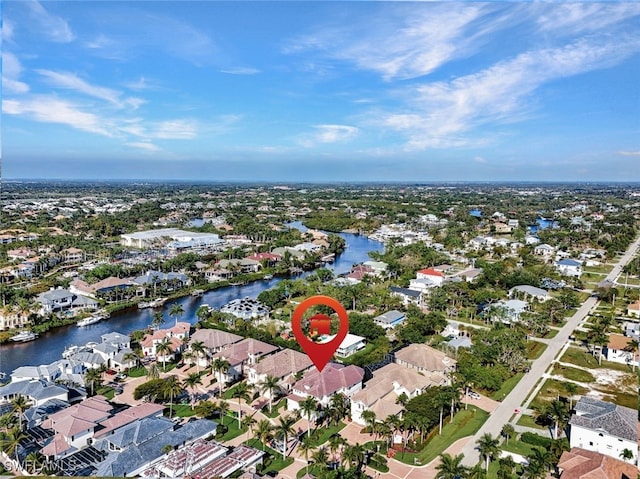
(515, 399)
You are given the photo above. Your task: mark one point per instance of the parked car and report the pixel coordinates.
(473, 395)
(120, 377)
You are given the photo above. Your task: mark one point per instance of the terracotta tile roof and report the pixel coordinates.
(283, 363)
(70, 426)
(128, 416)
(55, 447)
(214, 338)
(425, 357)
(582, 464)
(111, 282)
(332, 378)
(238, 352)
(618, 341)
(431, 272)
(634, 306)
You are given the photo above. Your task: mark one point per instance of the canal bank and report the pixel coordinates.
(50, 345)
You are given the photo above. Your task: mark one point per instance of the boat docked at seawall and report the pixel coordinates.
(156, 303)
(24, 336)
(93, 319)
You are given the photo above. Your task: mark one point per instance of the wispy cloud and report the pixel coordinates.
(144, 145)
(580, 17)
(73, 82)
(629, 153)
(325, 134)
(441, 113)
(7, 29)
(241, 71)
(175, 130)
(56, 28)
(53, 110)
(11, 70)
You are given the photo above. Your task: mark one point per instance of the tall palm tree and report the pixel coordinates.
(270, 385)
(320, 455)
(353, 456)
(369, 418)
(241, 391)
(336, 442)
(198, 348)
(338, 404)
(541, 457)
(248, 422)
(152, 371)
(571, 389)
(171, 387)
(305, 446)
(264, 430)
(12, 440)
(394, 422)
(176, 311)
(508, 431)
(19, 405)
(130, 356)
(476, 472)
(191, 382)
(558, 413)
(223, 409)
(506, 467)
(163, 348)
(450, 467)
(488, 447)
(92, 377)
(158, 319)
(307, 407)
(284, 428)
(632, 347)
(220, 365)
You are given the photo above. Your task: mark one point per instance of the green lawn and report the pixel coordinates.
(528, 421)
(552, 333)
(106, 391)
(276, 407)
(273, 460)
(231, 422)
(535, 349)
(507, 386)
(550, 390)
(464, 424)
(580, 357)
(137, 372)
(322, 435)
(183, 410)
(573, 374)
(518, 447)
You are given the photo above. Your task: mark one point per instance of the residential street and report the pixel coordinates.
(515, 399)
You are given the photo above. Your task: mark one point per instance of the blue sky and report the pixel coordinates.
(321, 91)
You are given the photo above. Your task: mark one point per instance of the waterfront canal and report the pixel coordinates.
(49, 346)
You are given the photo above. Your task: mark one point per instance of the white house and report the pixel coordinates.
(604, 427)
(616, 350)
(569, 267)
(390, 319)
(633, 310)
(527, 291)
(508, 311)
(351, 344)
(407, 295)
(437, 277)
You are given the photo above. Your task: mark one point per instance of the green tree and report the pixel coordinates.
(198, 348)
(284, 429)
(450, 467)
(176, 311)
(220, 366)
(163, 349)
(171, 388)
(508, 431)
(241, 391)
(264, 431)
(192, 381)
(270, 385)
(19, 405)
(152, 371)
(308, 407)
(93, 377)
(488, 447)
(305, 446)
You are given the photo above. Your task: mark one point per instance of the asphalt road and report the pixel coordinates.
(516, 397)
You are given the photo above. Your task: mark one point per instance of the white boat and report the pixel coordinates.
(156, 303)
(93, 319)
(24, 336)
(268, 276)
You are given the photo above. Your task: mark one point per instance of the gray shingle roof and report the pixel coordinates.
(38, 390)
(618, 421)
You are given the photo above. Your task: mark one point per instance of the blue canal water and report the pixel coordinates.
(542, 224)
(49, 346)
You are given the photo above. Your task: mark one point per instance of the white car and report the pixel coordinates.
(473, 395)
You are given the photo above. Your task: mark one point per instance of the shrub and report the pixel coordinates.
(536, 440)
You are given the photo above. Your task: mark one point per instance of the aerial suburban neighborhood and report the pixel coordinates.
(146, 330)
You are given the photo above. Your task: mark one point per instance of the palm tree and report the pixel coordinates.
(508, 431)
(248, 422)
(558, 413)
(191, 382)
(336, 441)
(305, 446)
(270, 385)
(223, 409)
(632, 347)
(158, 319)
(450, 467)
(320, 456)
(369, 418)
(19, 405)
(171, 387)
(626, 454)
(506, 467)
(394, 422)
(308, 406)
(571, 389)
(7, 421)
(541, 457)
(476, 472)
(338, 405)
(198, 349)
(220, 365)
(176, 311)
(241, 391)
(92, 377)
(353, 456)
(34, 462)
(163, 348)
(153, 372)
(284, 428)
(488, 447)
(202, 313)
(131, 356)
(264, 430)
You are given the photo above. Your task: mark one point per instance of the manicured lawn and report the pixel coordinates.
(550, 390)
(465, 423)
(573, 374)
(322, 435)
(580, 357)
(276, 407)
(535, 349)
(507, 386)
(106, 391)
(552, 333)
(528, 421)
(273, 460)
(231, 422)
(183, 410)
(137, 372)
(518, 447)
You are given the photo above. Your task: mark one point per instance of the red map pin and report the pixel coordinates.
(320, 354)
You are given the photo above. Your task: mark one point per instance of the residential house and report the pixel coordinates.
(20, 254)
(268, 259)
(580, 463)
(544, 250)
(118, 287)
(508, 311)
(246, 308)
(61, 300)
(631, 330)
(422, 285)
(569, 267)
(437, 277)
(470, 275)
(334, 378)
(408, 296)
(429, 361)
(459, 342)
(162, 281)
(241, 355)
(381, 392)
(633, 310)
(214, 340)
(242, 457)
(379, 268)
(176, 337)
(529, 292)
(617, 350)
(37, 392)
(604, 427)
(351, 344)
(283, 365)
(390, 319)
(13, 319)
(62, 370)
(72, 255)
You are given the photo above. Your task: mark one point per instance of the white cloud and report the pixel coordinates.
(330, 134)
(241, 71)
(175, 130)
(53, 110)
(629, 153)
(441, 113)
(578, 17)
(11, 70)
(144, 145)
(480, 159)
(73, 82)
(7, 29)
(53, 26)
